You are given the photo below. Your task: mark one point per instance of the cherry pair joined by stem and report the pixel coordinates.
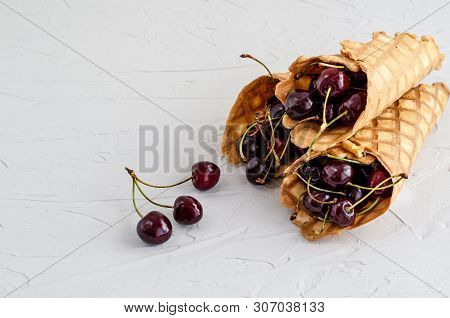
(155, 227)
(205, 175)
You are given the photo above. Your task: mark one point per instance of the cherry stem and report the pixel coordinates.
(248, 56)
(324, 220)
(324, 113)
(317, 188)
(285, 148)
(322, 130)
(150, 200)
(272, 143)
(133, 194)
(345, 159)
(133, 175)
(136, 184)
(241, 152)
(378, 187)
(314, 199)
(370, 207)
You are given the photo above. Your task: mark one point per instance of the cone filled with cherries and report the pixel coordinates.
(350, 89)
(356, 181)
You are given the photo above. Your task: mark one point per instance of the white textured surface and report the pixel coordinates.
(67, 129)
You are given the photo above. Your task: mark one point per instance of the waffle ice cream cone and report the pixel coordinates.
(392, 65)
(252, 99)
(395, 138)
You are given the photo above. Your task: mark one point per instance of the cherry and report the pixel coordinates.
(154, 228)
(205, 175)
(258, 171)
(187, 210)
(337, 173)
(315, 208)
(330, 112)
(355, 194)
(300, 105)
(354, 104)
(375, 178)
(334, 78)
(279, 145)
(341, 214)
(358, 79)
(308, 171)
(252, 146)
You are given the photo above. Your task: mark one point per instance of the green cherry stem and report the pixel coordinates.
(324, 112)
(136, 185)
(378, 187)
(241, 152)
(345, 159)
(317, 188)
(308, 184)
(321, 131)
(133, 194)
(374, 203)
(133, 175)
(248, 56)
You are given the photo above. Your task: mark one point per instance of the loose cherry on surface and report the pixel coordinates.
(315, 208)
(154, 228)
(300, 105)
(258, 171)
(354, 104)
(335, 78)
(375, 178)
(337, 173)
(187, 210)
(341, 214)
(205, 175)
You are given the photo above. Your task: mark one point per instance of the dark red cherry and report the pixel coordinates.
(375, 178)
(299, 105)
(330, 113)
(279, 145)
(358, 79)
(334, 78)
(187, 210)
(309, 170)
(355, 194)
(315, 208)
(337, 173)
(205, 175)
(277, 111)
(276, 107)
(154, 228)
(252, 146)
(341, 214)
(258, 171)
(354, 104)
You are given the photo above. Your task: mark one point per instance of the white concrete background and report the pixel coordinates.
(67, 129)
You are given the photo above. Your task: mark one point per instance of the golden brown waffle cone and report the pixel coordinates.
(251, 99)
(392, 65)
(395, 138)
